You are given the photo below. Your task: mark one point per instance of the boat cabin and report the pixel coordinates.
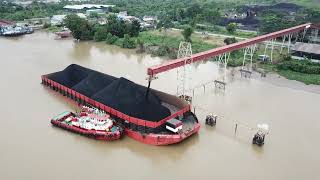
(174, 125)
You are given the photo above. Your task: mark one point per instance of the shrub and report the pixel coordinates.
(234, 62)
(128, 42)
(163, 50)
(100, 34)
(186, 33)
(111, 39)
(229, 40)
(46, 25)
(302, 66)
(231, 27)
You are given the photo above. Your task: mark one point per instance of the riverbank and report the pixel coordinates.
(164, 43)
(306, 78)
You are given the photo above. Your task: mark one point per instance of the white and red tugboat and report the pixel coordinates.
(90, 122)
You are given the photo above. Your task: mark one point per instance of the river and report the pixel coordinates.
(32, 149)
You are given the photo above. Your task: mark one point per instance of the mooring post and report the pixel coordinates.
(235, 129)
(193, 94)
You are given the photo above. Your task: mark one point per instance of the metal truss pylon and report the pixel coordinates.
(286, 42)
(184, 72)
(248, 56)
(223, 60)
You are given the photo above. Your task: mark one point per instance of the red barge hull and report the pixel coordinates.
(161, 139)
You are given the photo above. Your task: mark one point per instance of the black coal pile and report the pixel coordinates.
(117, 93)
(71, 75)
(129, 98)
(93, 83)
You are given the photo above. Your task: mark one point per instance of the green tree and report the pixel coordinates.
(94, 15)
(134, 28)
(275, 21)
(80, 28)
(232, 27)
(228, 40)
(186, 33)
(128, 42)
(212, 16)
(111, 39)
(165, 24)
(115, 26)
(101, 34)
(193, 10)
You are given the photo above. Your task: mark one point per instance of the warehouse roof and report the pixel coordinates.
(306, 47)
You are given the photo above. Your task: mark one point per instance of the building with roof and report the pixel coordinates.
(306, 50)
(124, 16)
(5, 23)
(57, 20)
(150, 20)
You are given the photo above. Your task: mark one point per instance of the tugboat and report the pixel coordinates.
(147, 115)
(90, 122)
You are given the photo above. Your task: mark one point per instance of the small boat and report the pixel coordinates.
(16, 30)
(65, 33)
(90, 122)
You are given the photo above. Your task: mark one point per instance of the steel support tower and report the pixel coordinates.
(184, 72)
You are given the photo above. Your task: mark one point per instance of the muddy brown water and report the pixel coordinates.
(32, 149)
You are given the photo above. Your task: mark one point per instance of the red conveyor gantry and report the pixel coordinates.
(224, 49)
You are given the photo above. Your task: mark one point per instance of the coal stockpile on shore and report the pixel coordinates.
(129, 98)
(93, 83)
(71, 75)
(117, 93)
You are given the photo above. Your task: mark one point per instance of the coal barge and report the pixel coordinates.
(147, 115)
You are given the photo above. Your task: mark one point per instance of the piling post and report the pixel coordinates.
(235, 129)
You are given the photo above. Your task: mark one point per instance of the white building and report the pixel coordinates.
(150, 19)
(57, 20)
(124, 16)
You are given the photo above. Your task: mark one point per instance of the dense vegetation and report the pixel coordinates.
(301, 66)
(81, 29)
(15, 12)
(115, 28)
(189, 15)
(175, 13)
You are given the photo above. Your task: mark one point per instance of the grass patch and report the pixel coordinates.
(268, 67)
(151, 39)
(222, 30)
(305, 78)
(54, 29)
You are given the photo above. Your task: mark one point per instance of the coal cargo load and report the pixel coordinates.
(130, 98)
(117, 93)
(71, 75)
(93, 83)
